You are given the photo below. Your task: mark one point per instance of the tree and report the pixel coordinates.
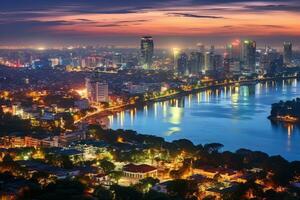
(213, 147)
(102, 194)
(62, 190)
(125, 193)
(146, 184)
(7, 159)
(116, 175)
(66, 162)
(107, 166)
(153, 195)
(181, 188)
(185, 145)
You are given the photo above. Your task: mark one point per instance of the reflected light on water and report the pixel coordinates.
(122, 118)
(199, 97)
(172, 130)
(239, 111)
(295, 82)
(132, 114)
(235, 97)
(146, 110)
(175, 115)
(155, 110)
(290, 129)
(189, 100)
(225, 92)
(164, 109)
(111, 120)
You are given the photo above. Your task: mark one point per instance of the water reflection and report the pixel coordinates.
(233, 115)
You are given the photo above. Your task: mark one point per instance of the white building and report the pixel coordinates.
(139, 171)
(97, 91)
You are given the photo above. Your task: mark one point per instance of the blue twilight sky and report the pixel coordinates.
(170, 22)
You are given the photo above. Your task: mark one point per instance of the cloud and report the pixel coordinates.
(122, 23)
(195, 16)
(273, 7)
(58, 18)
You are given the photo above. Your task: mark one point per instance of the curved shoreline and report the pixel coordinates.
(109, 111)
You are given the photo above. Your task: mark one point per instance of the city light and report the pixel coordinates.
(150, 100)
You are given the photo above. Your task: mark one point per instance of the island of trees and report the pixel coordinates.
(288, 111)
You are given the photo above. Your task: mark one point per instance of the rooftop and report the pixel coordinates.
(143, 168)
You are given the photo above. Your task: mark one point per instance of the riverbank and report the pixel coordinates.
(285, 119)
(288, 111)
(111, 111)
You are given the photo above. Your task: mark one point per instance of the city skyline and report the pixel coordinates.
(171, 23)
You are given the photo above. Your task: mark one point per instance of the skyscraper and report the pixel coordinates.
(208, 62)
(196, 62)
(97, 91)
(147, 49)
(248, 55)
(183, 64)
(176, 53)
(287, 53)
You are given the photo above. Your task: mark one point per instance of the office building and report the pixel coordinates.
(196, 62)
(218, 63)
(97, 91)
(176, 53)
(287, 53)
(147, 50)
(248, 55)
(208, 62)
(183, 64)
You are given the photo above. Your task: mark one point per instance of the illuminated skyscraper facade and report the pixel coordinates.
(248, 55)
(97, 92)
(287, 53)
(196, 62)
(183, 64)
(147, 50)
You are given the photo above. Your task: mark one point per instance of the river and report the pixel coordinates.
(235, 116)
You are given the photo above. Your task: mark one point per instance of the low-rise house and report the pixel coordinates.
(139, 171)
(69, 137)
(102, 179)
(59, 173)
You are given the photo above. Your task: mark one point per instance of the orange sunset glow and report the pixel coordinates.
(104, 20)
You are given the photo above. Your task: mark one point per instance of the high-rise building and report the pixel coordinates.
(201, 47)
(147, 50)
(97, 91)
(248, 56)
(233, 57)
(183, 64)
(117, 60)
(267, 57)
(176, 53)
(208, 62)
(287, 53)
(234, 50)
(218, 63)
(196, 62)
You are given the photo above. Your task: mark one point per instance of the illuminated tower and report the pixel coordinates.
(196, 62)
(248, 55)
(233, 58)
(183, 64)
(287, 53)
(147, 49)
(97, 92)
(208, 62)
(176, 53)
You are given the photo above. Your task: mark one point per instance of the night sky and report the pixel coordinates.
(170, 22)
